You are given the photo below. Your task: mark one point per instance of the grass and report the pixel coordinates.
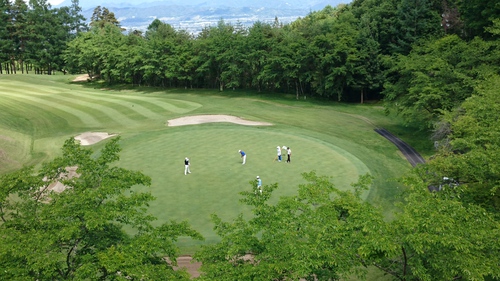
(38, 113)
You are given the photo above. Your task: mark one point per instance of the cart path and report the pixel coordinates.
(411, 154)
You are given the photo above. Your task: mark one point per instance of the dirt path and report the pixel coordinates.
(187, 263)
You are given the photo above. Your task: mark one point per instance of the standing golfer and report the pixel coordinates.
(186, 166)
(278, 151)
(259, 184)
(289, 154)
(243, 156)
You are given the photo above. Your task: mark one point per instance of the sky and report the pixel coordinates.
(55, 2)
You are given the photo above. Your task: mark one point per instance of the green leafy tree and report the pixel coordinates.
(437, 237)
(470, 148)
(219, 56)
(365, 64)
(167, 56)
(434, 78)
(380, 16)
(259, 45)
(72, 18)
(109, 43)
(48, 31)
(102, 16)
(416, 20)
(315, 235)
(6, 40)
(335, 42)
(78, 234)
(478, 15)
(19, 33)
(82, 54)
(155, 49)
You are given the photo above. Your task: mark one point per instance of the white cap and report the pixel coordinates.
(187, 158)
(257, 176)
(239, 150)
(278, 146)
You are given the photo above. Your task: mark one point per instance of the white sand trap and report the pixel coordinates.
(90, 138)
(84, 78)
(69, 174)
(81, 78)
(200, 119)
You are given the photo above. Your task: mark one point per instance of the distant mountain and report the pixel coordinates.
(193, 15)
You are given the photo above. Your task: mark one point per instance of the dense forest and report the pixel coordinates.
(434, 62)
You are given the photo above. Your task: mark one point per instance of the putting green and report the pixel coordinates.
(38, 113)
(217, 173)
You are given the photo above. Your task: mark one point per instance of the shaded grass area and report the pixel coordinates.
(39, 112)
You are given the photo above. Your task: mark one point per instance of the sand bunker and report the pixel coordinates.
(58, 186)
(90, 138)
(84, 78)
(81, 78)
(200, 119)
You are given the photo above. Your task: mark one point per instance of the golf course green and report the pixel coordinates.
(38, 113)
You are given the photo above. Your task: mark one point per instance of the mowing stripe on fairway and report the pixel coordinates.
(84, 117)
(117, 109)
(105, 112)
(14, 150)
(115, 102)
(146, 107)
(166, 104)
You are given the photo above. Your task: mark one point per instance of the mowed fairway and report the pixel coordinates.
(38, 113)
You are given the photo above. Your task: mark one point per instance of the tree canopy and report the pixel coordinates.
(79, 233)
(435, 63)
(327, 234)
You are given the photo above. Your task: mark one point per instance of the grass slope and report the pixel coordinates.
(39, 112)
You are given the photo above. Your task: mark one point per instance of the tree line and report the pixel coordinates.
(363, 50)
(33, 35)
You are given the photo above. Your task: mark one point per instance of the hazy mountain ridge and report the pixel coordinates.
(194, 15)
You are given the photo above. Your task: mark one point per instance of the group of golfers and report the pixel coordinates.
(244, 159)
(288, 153)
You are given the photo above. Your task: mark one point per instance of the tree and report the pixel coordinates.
(219, 56)
(380, 16)
(42, 30)
(259, 43)
(315, 235)
(102, 16)
(78, 234)
(82, 54)
(416, 20)
(435, 77)
(437, 237)
(365, 64)
(471, 148)
(19, 33)
(6, 41)
(72, 19)
(478, 15)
